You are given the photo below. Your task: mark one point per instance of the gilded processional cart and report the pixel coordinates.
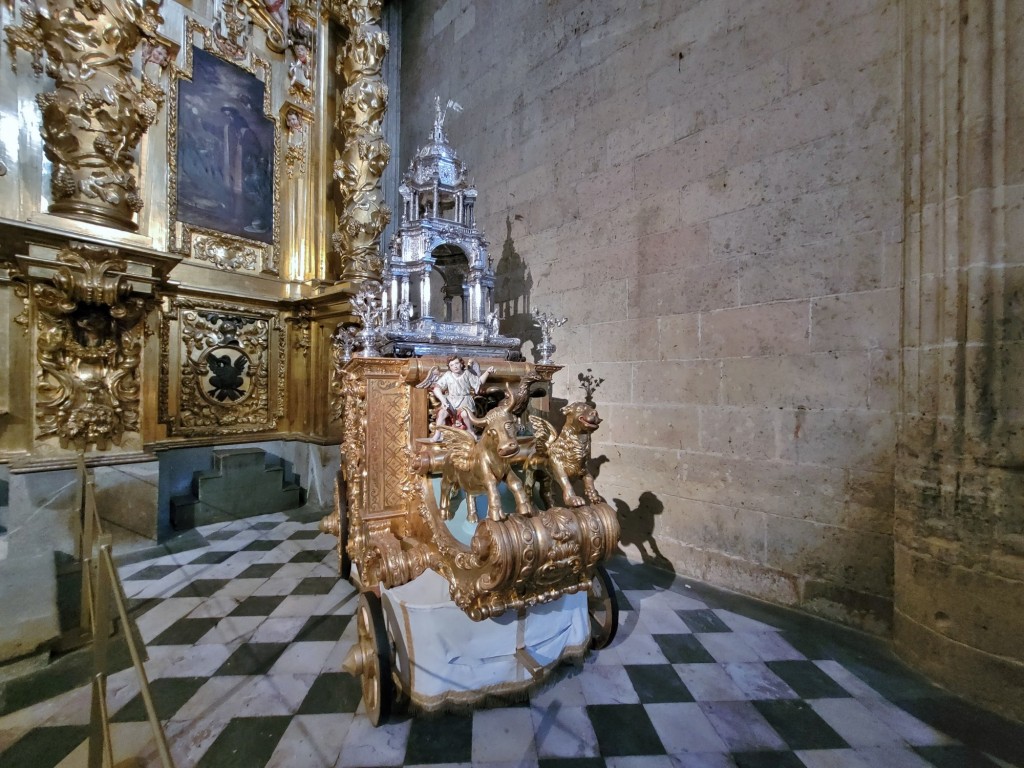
(469, 523)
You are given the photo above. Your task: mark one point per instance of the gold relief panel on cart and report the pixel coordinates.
(222, 369)
(222, 150)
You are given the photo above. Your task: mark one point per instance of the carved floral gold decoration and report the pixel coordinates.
(224, 253)
(363, 213)
(96, 115)
(88, 349)
(224, 372)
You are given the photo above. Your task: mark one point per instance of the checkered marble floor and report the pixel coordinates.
(246, 636)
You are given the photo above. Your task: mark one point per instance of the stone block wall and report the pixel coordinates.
(711, 191)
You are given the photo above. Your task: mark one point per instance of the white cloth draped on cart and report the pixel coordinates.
(444, 657)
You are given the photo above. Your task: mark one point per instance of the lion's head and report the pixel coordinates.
(581, 417)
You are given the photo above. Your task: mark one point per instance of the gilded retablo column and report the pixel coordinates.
(363, 213)
(96, 115)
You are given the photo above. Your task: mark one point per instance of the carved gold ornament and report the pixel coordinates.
(96, 115)
(88, 350)
(224, 384)
(363, 214)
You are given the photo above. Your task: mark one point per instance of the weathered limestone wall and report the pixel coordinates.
(959, 573)
(711, 192)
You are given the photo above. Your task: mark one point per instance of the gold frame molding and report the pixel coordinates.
(223, 251)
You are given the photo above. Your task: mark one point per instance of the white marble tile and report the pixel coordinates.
(892, 757)
(849, 681)
(298, 605)
(160, 617)
(232, 629)
(368, 746)
(564, 687)
(503, 735)
(727, 646)
(855, 723)
(340, 650)
(297, 571)
(188, 740)
(215, 607)
(248, 557)
(683, 727)
(741, 727)
(282, 630)
(639, 761)
(341, 600)
(240, 588)
(708, 682)
(127, 740)
(662, 598)
(563, 731)
(209, 701)
(770, 646)
(659, 621)
(277, 585)
(303, 658)
(738, 623)
(637, 647)
(186, 660)
(702, 760)
(832, 758)
(607, 685)
(311, 741)
(912, 730)
(758, 682)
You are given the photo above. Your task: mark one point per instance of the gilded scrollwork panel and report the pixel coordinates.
(227, 368)
(90, 329)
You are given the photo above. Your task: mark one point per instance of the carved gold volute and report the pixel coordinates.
(89, 345)
(96, 115)
(363, 214)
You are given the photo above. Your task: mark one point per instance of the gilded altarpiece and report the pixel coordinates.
(226, 374)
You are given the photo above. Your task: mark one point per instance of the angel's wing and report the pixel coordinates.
(474, 367)
(431, 378)
(543, 431)
(461, 442)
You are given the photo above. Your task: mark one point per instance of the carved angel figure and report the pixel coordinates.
(478, 466)
(454, 390)
(564, 456)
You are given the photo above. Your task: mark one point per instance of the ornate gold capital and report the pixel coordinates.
(98, 112)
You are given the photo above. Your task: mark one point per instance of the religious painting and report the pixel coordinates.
(225, 151)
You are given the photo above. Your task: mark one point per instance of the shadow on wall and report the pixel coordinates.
(513, 284)
(637, 529)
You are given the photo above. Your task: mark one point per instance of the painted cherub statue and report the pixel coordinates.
(455, 390)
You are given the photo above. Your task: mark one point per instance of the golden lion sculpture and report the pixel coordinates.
(564, 456)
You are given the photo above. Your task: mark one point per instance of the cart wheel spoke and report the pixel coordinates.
(603, 607)
(378, 686)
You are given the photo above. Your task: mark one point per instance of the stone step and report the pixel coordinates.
(239, 485)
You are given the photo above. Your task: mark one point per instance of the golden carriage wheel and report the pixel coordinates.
(603, 607)
(377, 684)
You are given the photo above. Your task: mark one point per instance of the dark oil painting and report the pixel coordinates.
(225, 151)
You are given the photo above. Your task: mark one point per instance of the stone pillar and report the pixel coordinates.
(959, 531)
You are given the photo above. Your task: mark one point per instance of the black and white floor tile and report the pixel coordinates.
(246, 636)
